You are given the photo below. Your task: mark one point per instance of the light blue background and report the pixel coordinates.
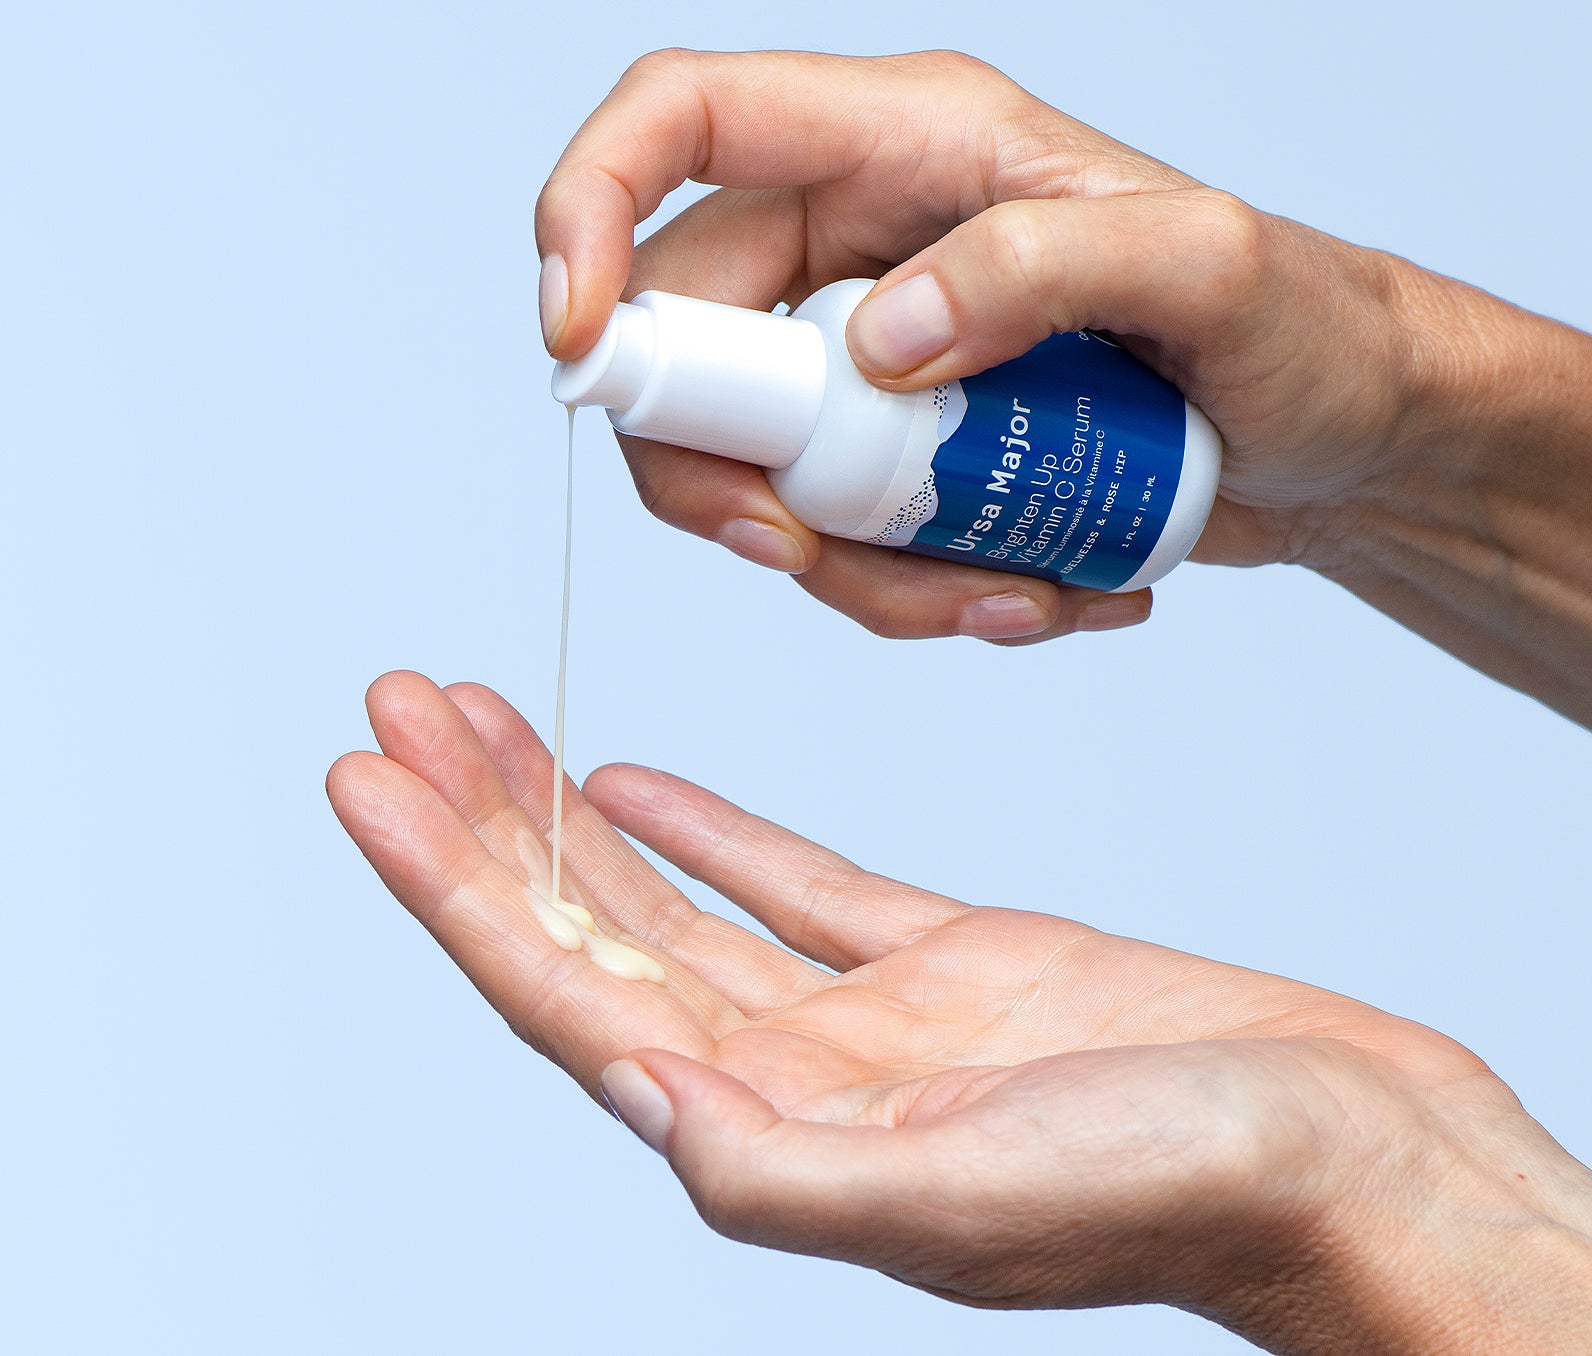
(273, 420)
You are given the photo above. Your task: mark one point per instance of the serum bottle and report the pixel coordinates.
(1073, 463)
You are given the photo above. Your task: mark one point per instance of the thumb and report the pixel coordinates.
(1178, 268)
(759, 1177)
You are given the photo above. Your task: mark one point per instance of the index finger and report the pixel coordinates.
(812, 899)
(745, 120)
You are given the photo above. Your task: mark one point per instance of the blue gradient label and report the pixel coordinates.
(1064, 466)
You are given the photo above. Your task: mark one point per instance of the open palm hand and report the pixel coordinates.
(1006, 1108)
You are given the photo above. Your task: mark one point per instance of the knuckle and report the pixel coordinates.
(719, 1199)
(896, 598)
(666, 63)
(653, 497)
(1234, 238)
(817, 902)
(949, 61)
(655, 491)
(876, 613)
(950, 69)
(1019, 251)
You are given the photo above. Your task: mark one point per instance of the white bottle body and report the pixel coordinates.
(1072, 463)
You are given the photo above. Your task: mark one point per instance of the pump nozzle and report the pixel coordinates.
(613, 372)
(721, 379)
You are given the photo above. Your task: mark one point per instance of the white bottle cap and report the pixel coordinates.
(721, 379)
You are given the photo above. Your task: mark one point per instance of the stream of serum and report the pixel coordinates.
(571, 925)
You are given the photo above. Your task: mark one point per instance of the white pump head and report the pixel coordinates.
(721, 379)
(613, 372)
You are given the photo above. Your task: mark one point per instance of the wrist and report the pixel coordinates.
(1430, 1228)
(1453, 1255)
(1476, 528)
(1496, 409)
(1492, 411)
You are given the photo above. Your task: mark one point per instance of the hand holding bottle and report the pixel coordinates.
(1073, 463)
(1370, 409)
(1006, 1109)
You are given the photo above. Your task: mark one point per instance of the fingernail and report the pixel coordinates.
(1114, 611)
(552, 295)
(902, 327)
(1002, 616)
(639, 1103)
(763, 544)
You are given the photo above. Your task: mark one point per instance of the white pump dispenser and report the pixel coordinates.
(1073, 463)
(721, 379)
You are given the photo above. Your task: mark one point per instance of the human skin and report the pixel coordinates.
(1006, 1109)
(1423, 444)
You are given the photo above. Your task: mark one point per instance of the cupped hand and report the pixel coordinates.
(993, 220)
(1004, 1108)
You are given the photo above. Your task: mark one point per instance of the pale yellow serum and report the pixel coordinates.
(572, 927)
